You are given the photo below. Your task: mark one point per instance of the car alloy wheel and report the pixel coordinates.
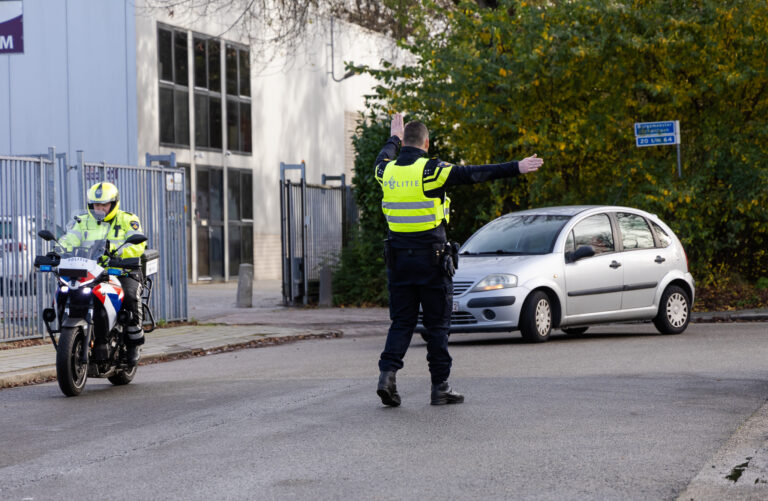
(677, 310)
(543, 317)
(674, 311)
(536, 317)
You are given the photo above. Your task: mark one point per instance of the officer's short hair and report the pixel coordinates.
(415, 133)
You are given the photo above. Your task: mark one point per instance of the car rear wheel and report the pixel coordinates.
(575, 331)
(674, 311)
(536, 318)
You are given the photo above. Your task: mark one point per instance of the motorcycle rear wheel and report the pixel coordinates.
(123, 376)
(70, 372)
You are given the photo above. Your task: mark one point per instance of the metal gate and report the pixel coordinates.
(314, 222)
(45, 192)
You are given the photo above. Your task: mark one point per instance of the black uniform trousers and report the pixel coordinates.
(414, 279)
(132, 287)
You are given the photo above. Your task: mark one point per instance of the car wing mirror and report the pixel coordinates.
(582, 252)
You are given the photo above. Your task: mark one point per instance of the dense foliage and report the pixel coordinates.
(568, 80)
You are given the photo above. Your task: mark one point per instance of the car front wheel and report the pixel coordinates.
(674, 311)
(536, 318)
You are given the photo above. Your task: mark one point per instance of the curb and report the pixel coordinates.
(726, 316)
(46, 373)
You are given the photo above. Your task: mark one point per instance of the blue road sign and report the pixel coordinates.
(654, 128)
(655, 140)
(657, 133)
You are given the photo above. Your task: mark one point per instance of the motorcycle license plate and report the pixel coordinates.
(455, 306)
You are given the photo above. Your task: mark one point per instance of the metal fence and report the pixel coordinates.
(27, 203)
(314, 225)
(44, 192)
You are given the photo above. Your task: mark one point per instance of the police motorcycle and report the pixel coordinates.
(91, 324)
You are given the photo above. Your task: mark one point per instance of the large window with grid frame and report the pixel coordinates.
(238, 90)
(219, 100)
(174, 86)
(207, 66)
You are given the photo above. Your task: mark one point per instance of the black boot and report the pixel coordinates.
(388, 389)
(443, 394)
(134, 339)
(133, 351)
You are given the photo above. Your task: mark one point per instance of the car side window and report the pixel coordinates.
(595, 231)
(635, 233)
(664, 239)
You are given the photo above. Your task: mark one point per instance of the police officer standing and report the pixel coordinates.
(420, 262)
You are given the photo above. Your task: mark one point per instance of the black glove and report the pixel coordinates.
(448, 267)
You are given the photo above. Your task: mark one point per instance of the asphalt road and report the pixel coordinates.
(618, 413)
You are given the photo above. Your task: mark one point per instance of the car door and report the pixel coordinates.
(644, 264)
(593, 284)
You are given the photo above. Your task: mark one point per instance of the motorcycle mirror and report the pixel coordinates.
(46, 235)
(136, 238)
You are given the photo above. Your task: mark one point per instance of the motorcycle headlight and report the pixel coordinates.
(64, 289)
(496, 281)
(86, 290)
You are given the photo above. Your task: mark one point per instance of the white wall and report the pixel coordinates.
(298, 112)
(74, 87)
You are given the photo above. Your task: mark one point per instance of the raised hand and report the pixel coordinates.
(397, 128)
(530, 164)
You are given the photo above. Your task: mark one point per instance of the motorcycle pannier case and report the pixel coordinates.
(149, 261)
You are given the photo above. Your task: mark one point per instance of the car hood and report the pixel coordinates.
(473, 268)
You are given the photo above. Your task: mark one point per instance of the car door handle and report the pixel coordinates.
(659, 259)
(615, 264)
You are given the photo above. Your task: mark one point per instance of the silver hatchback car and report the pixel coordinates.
(568, 268)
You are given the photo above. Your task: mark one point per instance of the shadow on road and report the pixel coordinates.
(558, 337)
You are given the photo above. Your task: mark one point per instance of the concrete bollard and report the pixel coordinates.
(245, 286)
(326, 287)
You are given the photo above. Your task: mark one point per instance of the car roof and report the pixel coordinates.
(570, 210)
(562, 210)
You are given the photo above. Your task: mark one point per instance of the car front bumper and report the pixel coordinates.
(489, 311)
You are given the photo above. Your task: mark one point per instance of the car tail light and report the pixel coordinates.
(10, 247)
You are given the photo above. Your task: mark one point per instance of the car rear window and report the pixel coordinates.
(635, 233)
(664, 239)
(531, 234)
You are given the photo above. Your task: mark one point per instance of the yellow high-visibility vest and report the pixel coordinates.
(404, 204)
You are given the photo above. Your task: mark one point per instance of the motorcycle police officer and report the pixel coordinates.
(105, 219)
(420, 262)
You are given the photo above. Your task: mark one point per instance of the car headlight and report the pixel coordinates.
(496, 281)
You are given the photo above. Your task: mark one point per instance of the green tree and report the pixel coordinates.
(568, 80)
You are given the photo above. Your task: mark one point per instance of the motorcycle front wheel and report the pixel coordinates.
(70, 372)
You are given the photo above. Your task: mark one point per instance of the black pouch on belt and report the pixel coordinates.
(455, 254)
(388, 257)
(437, 254)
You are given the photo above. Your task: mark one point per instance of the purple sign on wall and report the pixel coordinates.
(11, 27)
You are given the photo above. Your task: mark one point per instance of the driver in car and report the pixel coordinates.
(105, 220)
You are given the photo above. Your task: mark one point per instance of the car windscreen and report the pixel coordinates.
(524, 234)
